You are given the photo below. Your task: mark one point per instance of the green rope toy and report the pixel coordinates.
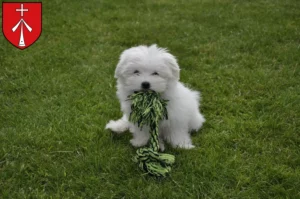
(148, 108)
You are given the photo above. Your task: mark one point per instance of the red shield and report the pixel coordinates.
(22, 22)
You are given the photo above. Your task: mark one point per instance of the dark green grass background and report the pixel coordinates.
(57, 95)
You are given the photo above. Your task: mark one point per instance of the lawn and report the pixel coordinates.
(57, 95)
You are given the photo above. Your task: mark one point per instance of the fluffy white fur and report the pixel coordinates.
(160, 69)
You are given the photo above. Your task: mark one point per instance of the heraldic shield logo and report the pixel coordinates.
(22, 22)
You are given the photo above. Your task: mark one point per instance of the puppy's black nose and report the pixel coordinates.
(145, 85)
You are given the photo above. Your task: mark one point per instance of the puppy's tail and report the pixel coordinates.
(197, 119)
(196, 122)
(118, 126)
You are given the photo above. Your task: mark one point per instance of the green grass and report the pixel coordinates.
(57, 95)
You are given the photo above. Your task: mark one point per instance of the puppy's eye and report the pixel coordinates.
(136, 72)
(155, 73)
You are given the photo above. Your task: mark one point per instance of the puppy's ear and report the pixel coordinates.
(118, 70)
(122, 61)
(171, 62)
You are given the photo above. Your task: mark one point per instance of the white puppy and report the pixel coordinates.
(142, 68)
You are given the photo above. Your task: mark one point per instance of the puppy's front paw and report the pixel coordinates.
(111, 125)
(181, 140)
(183, 145)
(118, 126)
(161, 146)
(138, 142)
(186, 146)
